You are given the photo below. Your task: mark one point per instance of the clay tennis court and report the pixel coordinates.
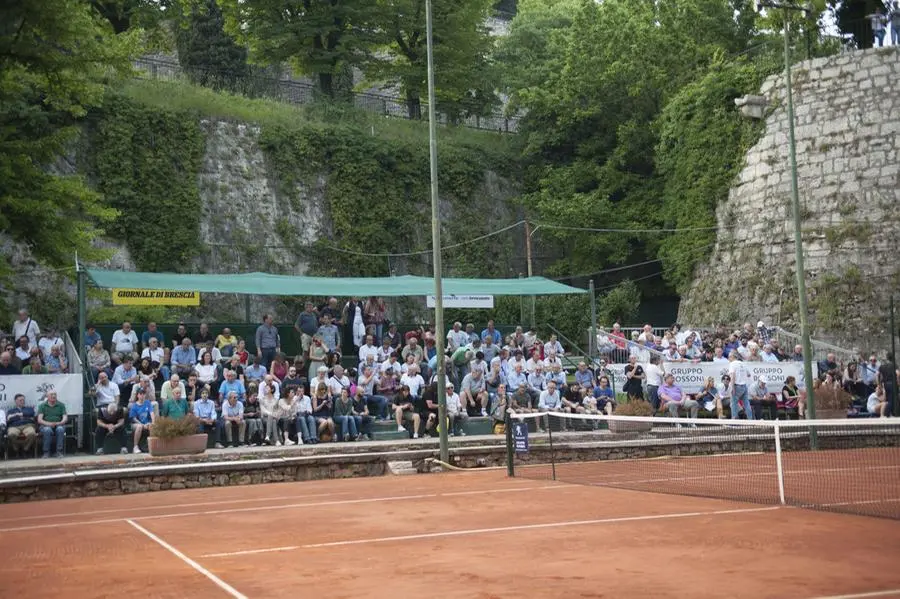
(462, 534)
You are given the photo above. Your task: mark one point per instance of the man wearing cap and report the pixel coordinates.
(763, 333)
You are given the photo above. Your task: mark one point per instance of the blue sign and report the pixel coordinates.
(520, 436)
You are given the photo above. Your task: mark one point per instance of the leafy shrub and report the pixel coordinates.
(172, 428)
(635, 408)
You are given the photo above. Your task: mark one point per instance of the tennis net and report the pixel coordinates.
(850, 466)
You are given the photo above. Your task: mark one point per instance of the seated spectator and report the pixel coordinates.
(253, 419)
(404, 411)
(604, 396)
(361, 414)
(23, 350)
(154, 333)
(388, 383)
(428, 408)
(576, 401)
(278, 368)
(110, 421)
(306, 422)
(255, 372)
(180, 333)
(323, 408)
(490, 331)
(35, 366)
(767, 354)
(338, 381)
(293, 381)
(6, 365)
(208, 373)
(168, 388)
(672, 398)
(20, 422)
(877, 402)
(456, 414)
(498, 412)
(536, 382)
(233, 420)
(183, 358)
(242, 353)
(106, 391)
(232, 385)
(48, 341)
(473, 394)
(584, 377)
(56, 362)
(98, 360)
(709, 398)
(142, 416)
(829, 366)
(52, 419)
(368, 349)
(725, 390)
(868, 374)
(177, 407)
(852, 382)
(126, 376)
(226, 343)
(202, 336)
(366, 383)
(793, 397)
(517, 379)
(553, 346)
(414, 350)
(205, 411)
(761, 398)
(493, 380)
(551, 401)
(344, 417)
(287, 411)
(91, 336)
(479, 363)
(155, 353)
(209, 348)
(125, 342)
(413, 381)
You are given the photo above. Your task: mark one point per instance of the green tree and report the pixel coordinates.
(208, 55)
(55, 58)
(464, 77)
(322, 38)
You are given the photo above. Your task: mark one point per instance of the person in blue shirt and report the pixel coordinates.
(142, 416)
(91, 337)
(256, 372)
(183, 358)
(231, 383)
(603, 393)
(490, 331)
(205, 411)
(152, 333)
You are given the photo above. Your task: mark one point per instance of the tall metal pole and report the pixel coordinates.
(893, 330)
(798, 234)
(436, 243)
(593, 338)
(82, 310)
(528, 232)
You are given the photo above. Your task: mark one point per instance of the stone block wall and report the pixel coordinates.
(847, 125)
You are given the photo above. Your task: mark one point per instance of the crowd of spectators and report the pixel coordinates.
(267, 397)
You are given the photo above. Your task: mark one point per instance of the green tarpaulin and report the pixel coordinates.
(260, 283)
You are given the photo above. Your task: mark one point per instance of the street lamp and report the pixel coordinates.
(795, 205)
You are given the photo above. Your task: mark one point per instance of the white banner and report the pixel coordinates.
(690, 377)
(35, 386)
(463, 301)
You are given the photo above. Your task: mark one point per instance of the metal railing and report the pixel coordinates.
(302, 92)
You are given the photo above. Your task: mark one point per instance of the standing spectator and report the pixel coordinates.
(634, 380)
(126, 376)
(152, 333)
(125, 341)
(98, 360)
(878, 21)
(183, 358)
(110, 421)
(233, 420)
(887, 378)
(740, 381)
(330, 335)
(375, 315)
(318, 354)
(307, 324)
(673, 398)
(142, 416)
(48, 341)
(268, 341)
(20, 421)
(654, 381)
(26, 327)
(330, 308)
(106, 391)
(205, 411)
(353, 318)
(895, 22)
(52, 418)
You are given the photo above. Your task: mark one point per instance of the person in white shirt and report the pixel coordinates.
(456, 415)
(338, 381)
(503, 361)
(456, 337)
(26, 327)
(106, 391)
(479, 364)
(153, 352)
(209, 347)
(368, 349)
(413, 380)
(385, 351)
(125, 340)
(719, 356)
(654, 381)
(740, 381)
(553, 346)
(47, 342)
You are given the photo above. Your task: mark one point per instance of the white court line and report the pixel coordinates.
(276, 507)
(218, 581)
(477, 531)
(890, 593)
(169, 506)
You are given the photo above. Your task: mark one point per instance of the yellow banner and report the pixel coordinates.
(154, 297)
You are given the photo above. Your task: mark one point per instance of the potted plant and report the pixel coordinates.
(632, 408)
(176, 436)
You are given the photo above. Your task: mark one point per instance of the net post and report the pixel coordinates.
(778, 465)
(510, 455)
(550, 439)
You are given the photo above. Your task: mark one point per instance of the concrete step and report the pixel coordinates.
(390, 434)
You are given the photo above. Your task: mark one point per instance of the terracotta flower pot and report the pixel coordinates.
(190, 444)
(621, 426)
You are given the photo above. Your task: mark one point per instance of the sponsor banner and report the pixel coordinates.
(690, 377)
(520, 436)
(36, 386)
(154, 297)
(463, 301)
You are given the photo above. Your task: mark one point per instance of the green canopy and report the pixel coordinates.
(260, 283)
